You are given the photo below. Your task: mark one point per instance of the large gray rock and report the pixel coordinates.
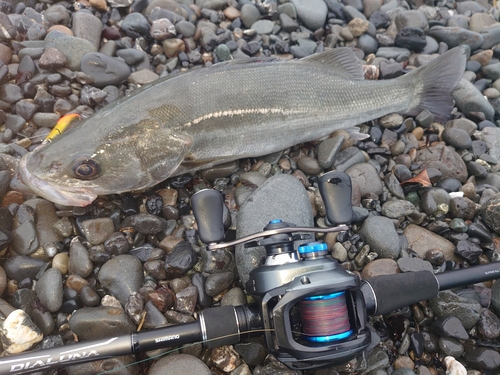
(311, 12)
(280, 197)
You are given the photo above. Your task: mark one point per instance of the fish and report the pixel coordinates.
(232, 110)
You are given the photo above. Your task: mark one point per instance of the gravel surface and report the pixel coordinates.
(425, 194)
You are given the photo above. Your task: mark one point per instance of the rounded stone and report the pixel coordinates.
(179, 364)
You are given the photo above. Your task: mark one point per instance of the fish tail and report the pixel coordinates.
(434, 82)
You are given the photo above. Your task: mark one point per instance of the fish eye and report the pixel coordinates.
(86, 169)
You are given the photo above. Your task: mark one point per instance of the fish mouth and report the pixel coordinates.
(65, 196)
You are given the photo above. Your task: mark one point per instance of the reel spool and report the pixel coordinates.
(325, 318)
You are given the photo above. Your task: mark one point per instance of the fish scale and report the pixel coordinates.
(205, 117)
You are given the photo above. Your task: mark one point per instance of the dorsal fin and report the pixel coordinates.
(343, 60)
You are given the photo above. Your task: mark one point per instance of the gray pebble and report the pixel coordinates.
(448, 304)
(263, 26)
(22, 267)
(380, 234)
(105, 70)
(311, 12)
(135, 25)
(122, 276)
(49, 289)
(72, 48)
(455, 36)
(179, 364)
(491, 36)
(93, 323)
(185, 28)
(366, 177)
(87, 26)
(96, 231)
(234, 297)
(414, 265)
(79, 259)
(457, 138)
(328, 149)
(395, 209)
(218, 282)
(249, 15)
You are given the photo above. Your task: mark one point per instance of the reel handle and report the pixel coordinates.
(208, 208)
(335, 188)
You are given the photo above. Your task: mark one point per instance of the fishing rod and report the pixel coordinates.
(313, 312)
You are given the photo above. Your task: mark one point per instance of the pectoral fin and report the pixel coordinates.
(165, 157)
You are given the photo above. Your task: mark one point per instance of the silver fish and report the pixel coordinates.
(229, 111)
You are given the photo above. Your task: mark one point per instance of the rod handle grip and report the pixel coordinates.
(384, 294)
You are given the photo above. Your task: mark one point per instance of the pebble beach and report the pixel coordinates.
(426, 193)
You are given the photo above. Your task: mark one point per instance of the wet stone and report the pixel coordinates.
(491, 212)
(122, 276)
(448, 304)
(71, 47)
(49, 289)
(422, 240)
(417, 344)
(154, 317)
(180, 260)
(11, 93)
(457, 138)
(234, 297)
(488, 325)
(218, 282)
(463, 208)
(469, 250)
(397, 208)
(309, 165)
(87, 26)
(414, 265)
(469, 99)
(124, 365)
(24, 239)
(96, 231)
(366, 177)
(22, 267)
(380, 267)
(179, 364)
(79, 259)
(147, 223)
(135, 25)
(185, 300)
(163, 298)
(312, 13)
(112, 321)
(380, 234)
(18, 333)
(156, 269)
(43, 320)
(105, 70)
(449, 163)
(451, 347)
(482, 358)
(89, 297)
(116, 244)
(198, 281)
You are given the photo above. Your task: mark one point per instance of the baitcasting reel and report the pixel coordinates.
(312, 310)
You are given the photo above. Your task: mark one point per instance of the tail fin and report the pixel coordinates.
(434, 83)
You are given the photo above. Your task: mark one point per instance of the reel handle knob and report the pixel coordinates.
(208, 208)
(335, 189)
